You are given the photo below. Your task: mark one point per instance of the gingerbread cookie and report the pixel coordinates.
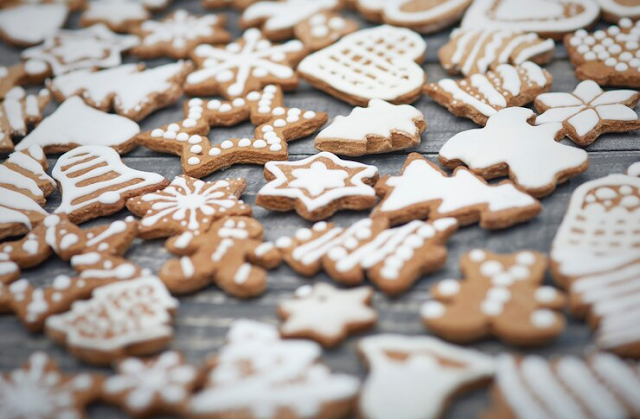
(424, 16)
(188, 206)
(130, 89)
(550, 19)
(318, 186)
(40, 390)
(73, 5)
(178, 34)
(379, 128)
(277, 125)
(30, 72)
(29, 24)
(24, 184)
(277, 19)
(118, 15)
(614, 10)
(230, 254)
(589, 111)
(247, 64)
(418, 376)
(128, 318)
(17, 112)
(480, 96)
(595, 257)
(600, 386)
(95, 182)
(609, 57)
(376, 63)
(238, 4)
(323, 29)
(502, 296)
(284, 377)
(143, 388)
(424, 191)
(509, 145)
(393, 258)
(75, 124)
(326, 314)
(472, 51)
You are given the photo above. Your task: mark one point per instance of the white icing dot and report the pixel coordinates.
(303, 234)
(546, 295)
(498, 294)
(193, 161)
(491, 308)
(284, 242)
(543, 318)
(449, 287)
(432, 310)
(214, 151)
(491, 268)
(245, 142)
(259, 144)
(226, 144)
(526, 258)
(477, 255)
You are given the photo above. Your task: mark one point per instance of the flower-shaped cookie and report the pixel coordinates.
(590, 111)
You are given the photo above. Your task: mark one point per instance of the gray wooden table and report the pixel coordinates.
(204, 317)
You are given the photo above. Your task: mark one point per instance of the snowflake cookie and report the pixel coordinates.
(502, 296)
(376, 63)
(39, 390)
(589, 111)
(480, 96)
(609, 57)
(281, 376)
(247, 64)
(128, 318)
(230, 254)
(599, 386)
(510, 146)
(595, 257)
(18, 111)
(393, 258)
(95, 182)
(318, 186)
(28, 24)
(130, 89)
(143, 388)
(424, 191)
(276, 126)
(417, 375)
(178, 34)
(323, 29)
(326, 314)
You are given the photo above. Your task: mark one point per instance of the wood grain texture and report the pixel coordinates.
(204, 317)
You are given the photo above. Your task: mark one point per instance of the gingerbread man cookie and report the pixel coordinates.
(318, 186)
(424, 191)
(17, 112)
(25, 25)
(509, 145)
(323, 29)
(501, 296)
(364, 249)
(379, 128)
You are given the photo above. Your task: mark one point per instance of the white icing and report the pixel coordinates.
(31, 23)
(115, 12)
(395, 11)
(620, 10)
(284, 15)
(179, 29)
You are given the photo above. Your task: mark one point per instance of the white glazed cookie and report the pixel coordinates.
(281, 376)
(509, 145)
(501, 296)
(377, 63)
(424, 191)
(614, 10)
(323, 29)
(599, 386)
(118, 15)
(18, 112)
(418, 376)
(90, 48)
(318, 186)
(112, 182)
(589, 111)
(125, 318)
(245, 65)
(471, 51)
(75, 124)
(549, 18)
(609, 57)
(480, 96)
(129, 89)
(381, 127)
(326, 314)
(595, 257)
(29, 24)
(277, 19)
(364, 249)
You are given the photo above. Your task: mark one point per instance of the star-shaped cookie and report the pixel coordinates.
(318, 186)
(589, 111)
(326, 314)
(509, 145)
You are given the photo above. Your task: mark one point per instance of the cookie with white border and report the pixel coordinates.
(381, 127)
(18, 112)
(510, 145)
(318, 186)
(424, 16)
(29, 24)
(614, 10)
(423, 191)
(323, 29)
(502, 295)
